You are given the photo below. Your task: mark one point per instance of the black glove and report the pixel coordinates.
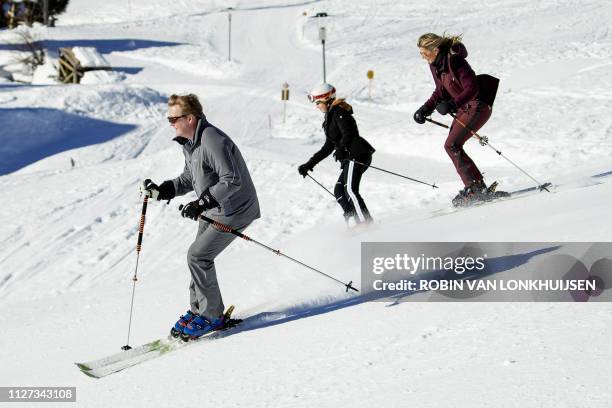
(445, 107)
(420, 115)
(192, 210)
(304, 169)
(195, 208)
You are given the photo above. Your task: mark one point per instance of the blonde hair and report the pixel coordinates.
(189, 104)
(430, 41)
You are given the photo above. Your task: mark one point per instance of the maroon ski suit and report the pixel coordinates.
(455, 80)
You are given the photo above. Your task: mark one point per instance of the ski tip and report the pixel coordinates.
(87, 373)
(86, 370)
(82, 367)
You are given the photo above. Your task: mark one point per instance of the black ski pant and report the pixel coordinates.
(347, 189)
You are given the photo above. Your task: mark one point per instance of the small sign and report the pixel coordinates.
(370, 74)
(285, 92)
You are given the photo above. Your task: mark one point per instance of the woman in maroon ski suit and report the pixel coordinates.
(460, 91)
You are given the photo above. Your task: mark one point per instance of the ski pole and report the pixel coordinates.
(396, 174)
(225, 228)
(430, 120)
(135, 277)
(484, 141)
(322, 186)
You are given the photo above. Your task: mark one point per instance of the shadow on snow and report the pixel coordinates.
(104, 46)
(32, 134)
(267, 319)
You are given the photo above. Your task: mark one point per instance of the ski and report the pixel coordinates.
(543, 187)
(512, 195)
(157, 348)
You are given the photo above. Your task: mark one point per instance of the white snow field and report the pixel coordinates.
(68, 233)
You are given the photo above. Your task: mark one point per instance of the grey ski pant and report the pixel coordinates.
(204, 292)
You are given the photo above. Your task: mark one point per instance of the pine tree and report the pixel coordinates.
(13, 12)
(57, 7)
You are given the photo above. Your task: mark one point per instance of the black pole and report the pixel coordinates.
(46, 13)
(324, 73)
(135, 277)
(322, 186)
(229, 35)
(396, 174)
(485, 142)
(225, 228)
(430, 120)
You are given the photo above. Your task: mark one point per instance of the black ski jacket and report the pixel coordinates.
(341, 135)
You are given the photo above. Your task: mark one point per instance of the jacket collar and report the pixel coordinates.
(197, 137)
(442, 61)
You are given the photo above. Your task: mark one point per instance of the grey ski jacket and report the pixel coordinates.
(213, 161)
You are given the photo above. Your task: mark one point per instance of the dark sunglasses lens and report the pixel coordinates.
(172, 119)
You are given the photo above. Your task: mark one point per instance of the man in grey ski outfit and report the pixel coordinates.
(216, 171)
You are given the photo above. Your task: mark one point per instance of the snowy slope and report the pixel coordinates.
(68, 234)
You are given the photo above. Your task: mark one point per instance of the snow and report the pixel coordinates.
(68, 233)
(89, 57)
(45, 74)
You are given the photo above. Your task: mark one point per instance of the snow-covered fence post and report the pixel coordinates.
(75, 62)
(322, 37)
(370, 78)
(285, 98)
(229, 33)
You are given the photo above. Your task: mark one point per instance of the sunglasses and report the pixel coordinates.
(172, 119)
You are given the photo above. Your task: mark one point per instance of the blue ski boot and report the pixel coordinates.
(200, 326)
(183, 321)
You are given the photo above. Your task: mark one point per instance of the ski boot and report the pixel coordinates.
(201, 326)
(478, 192)
(465, 198)
(183, 321)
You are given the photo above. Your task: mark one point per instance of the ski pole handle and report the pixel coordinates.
(142, 223)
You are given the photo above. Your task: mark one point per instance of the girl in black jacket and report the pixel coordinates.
(352, 151)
